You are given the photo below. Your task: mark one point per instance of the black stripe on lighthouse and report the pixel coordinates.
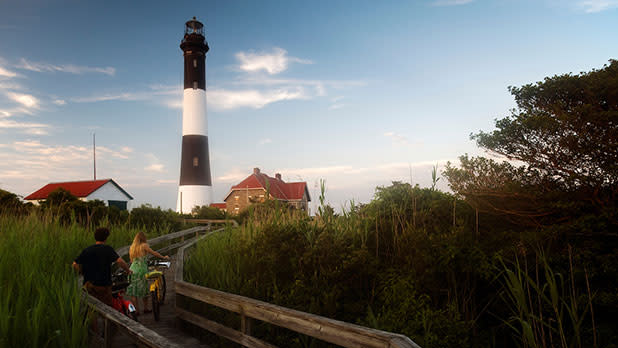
(195, 164)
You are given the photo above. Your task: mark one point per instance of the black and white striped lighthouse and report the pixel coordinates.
(195, 187)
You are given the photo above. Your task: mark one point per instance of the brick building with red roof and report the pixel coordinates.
(258, 187)
(106, 190)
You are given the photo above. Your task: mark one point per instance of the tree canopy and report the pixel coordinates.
(560, 141)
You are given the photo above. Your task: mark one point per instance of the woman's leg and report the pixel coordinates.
(134, 301)
(146, 301)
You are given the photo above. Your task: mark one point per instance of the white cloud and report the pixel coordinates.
(66, 68)
(273, 63)
(451, 2)
(398, 139)
(27, 100)
(234, 176)
(155, 165)
(336, 106)
(228, 99)
(155, 168)
(7, 73)
(593, 6)
(27, 127)
(265, 141)
(59, 102)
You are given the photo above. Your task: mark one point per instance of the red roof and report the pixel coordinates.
(219, 205)
(277, 188)
(78, 189)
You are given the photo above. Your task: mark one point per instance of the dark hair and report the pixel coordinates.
(101, 234)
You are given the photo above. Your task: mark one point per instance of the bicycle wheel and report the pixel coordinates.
(155, 303)
(162, 289)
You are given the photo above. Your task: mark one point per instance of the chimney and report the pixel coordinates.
(256, 170)
(278, 176)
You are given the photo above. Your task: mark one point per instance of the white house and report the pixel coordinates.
(106, 190)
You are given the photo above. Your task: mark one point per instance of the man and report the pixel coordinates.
(95, 263)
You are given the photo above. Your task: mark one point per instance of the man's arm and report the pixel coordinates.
(122, 263)
(77, 267)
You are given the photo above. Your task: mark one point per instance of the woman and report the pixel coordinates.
(138, 254)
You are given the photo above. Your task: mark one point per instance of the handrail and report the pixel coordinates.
(164, 238)
(326, 329)
(137, 332)
(211, 221)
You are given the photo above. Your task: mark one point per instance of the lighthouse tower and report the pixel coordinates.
(195, 181)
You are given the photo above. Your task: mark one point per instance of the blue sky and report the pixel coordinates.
(358, 93)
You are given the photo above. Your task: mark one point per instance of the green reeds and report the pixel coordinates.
(547, 308)
(40, 298)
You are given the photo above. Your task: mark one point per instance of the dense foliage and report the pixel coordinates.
(524, 253)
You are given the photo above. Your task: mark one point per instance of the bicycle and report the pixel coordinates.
(157, 285)
(120, 282)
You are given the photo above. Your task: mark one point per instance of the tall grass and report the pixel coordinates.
(548, 310)
(40, 302)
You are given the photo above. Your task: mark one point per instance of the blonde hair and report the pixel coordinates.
(138, 247)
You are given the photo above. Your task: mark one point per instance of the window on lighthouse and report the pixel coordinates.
(195, 63)
(194, 84)
(196, 161)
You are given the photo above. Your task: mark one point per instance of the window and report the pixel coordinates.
(236, 197)
(195, 63)
(194, 84)
(196, 161)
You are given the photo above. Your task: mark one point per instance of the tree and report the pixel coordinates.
(58, 197)
(206, 212)
(10, 202)
(564, 132)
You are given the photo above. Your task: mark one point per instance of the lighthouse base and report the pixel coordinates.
(190, 196)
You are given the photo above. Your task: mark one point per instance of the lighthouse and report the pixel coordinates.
(195, 187)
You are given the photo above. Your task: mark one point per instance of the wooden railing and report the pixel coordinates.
(114, 320)
(322, 328)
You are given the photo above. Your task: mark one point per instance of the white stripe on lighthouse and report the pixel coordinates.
(193, 195)
(194, 112)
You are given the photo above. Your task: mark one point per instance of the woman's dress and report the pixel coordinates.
(139, 283)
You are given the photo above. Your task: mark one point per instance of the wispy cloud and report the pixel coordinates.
(450, 2)
(247, 91)
(27, 100)
(231, 99)
(398, 139)
(26, 127)
(273, 62)
(265, 141)
(6, 73)
(66, 68)
(155, 165)
(59, 102)
(593, 6)
(155, 168)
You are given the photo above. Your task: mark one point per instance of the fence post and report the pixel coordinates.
(107, 333)
(245, 324)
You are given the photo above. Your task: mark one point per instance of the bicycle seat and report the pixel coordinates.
(153, 274)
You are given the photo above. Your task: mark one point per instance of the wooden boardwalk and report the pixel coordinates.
(168, 325)
(120, 331)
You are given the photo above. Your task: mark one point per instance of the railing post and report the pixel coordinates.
(245, 324)
(107, 333)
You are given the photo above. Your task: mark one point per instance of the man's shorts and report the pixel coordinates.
(102, 293)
